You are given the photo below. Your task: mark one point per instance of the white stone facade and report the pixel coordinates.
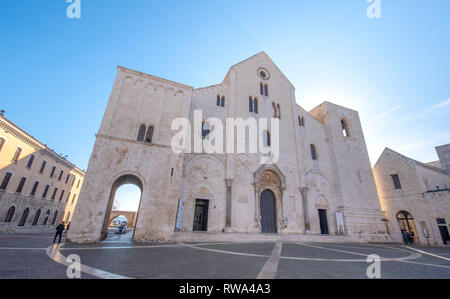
(423, 192)
(339, 181)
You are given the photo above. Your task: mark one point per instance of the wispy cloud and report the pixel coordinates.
(442, 104)
(389, 112)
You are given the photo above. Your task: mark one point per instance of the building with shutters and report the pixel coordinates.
(38, 187)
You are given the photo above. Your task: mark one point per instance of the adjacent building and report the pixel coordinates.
(415, 196)
(38, 187)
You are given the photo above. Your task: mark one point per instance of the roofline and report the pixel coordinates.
(411, 159)
(162, 80)
(40, 144)
(251, 57)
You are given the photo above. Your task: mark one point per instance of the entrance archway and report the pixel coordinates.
(407, 226)
(121, 181)
(268, 212)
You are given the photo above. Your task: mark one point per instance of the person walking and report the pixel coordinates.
(59, 230)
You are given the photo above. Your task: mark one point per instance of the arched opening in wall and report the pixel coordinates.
(24, 217)
(124, 199)
(407, 227)
(47, 215)
(118, 221)
(345, 131)
(268, 212)
(10, 214)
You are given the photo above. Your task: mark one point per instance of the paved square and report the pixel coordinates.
(33, 256)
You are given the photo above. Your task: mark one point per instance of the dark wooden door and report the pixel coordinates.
(268, 213)
(323, 222)
(201, 215)
(444, 234)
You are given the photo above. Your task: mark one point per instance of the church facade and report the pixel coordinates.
(321, 184)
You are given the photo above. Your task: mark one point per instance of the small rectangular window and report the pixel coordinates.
(60, 175)
(33, 191)
(396, 181)
(42, 167)
(61, 196)
(44, 195)
(5, 181)
(52, 173)
(54, 193)
(21, 184)
(30, 161)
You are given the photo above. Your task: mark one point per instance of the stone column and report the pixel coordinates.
(304, 192)
(229, 183)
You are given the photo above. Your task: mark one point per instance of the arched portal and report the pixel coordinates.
(268, 212)
(121, 181)
(118, 220)
(407, 226)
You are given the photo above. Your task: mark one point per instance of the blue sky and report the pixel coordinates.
(58, 72)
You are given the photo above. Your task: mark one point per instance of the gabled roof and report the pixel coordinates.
(264, 54)
(388, 150)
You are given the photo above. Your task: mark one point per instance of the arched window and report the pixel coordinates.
(407, 225)
(2, 143)
(274, 110)
(313, 152)
(206, 129)
(24, 217)
(17, 154)
(266, 138)
(149, 136)
(47, 215)
(141, 133)
(266, 90)
(250, 104)
(36, 217)
(345, 132)
(301, 121)
(222, 103)
(30, 161)
(218, 100)
(10, 214)
(261, 88)
(255, 105)
(54, 218)
(278, 111)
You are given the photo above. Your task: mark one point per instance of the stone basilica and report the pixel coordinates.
(321, 187)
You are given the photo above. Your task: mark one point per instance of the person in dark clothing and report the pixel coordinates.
(59, 230)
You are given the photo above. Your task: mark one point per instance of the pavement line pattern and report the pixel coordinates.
(410, 257)
(53, 252)
(424, 264)
(21, 248)
(428, 253)
(269, 271)
(223, 251)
